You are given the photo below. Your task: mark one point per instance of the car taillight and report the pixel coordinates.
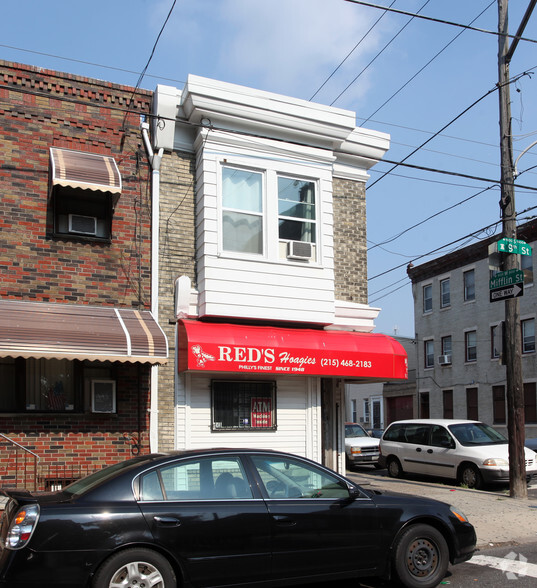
(22, 526)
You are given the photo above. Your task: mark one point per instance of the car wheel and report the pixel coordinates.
(470, 476)
(394, 468)
(135, 567)
(421, 557)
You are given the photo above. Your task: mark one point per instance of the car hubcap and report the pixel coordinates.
(137, 574)
(422, 558)
(469, 478)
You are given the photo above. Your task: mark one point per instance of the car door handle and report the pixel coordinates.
(167, 521)
(284, 520)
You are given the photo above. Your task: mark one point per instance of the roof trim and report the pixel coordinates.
(88, 171)
(69, 331)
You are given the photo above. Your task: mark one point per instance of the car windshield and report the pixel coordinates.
(476, 434)
(355, 431)
(85, 484)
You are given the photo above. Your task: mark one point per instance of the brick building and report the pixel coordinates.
(263, 269)
(77, 337)
(460, 369)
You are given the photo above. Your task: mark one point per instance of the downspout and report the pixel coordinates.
(154, 162)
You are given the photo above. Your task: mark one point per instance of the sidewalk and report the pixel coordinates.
(497, 518)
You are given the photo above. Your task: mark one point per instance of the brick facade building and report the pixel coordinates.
(77, 339)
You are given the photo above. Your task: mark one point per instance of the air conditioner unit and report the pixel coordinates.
(444, 359)
(299, 250)
(85, 225)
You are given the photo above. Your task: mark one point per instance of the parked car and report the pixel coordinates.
(468, 451)
(224, 517)
(377, 433)
(360, 447)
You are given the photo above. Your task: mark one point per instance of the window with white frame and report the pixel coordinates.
(446, 349)
(528, 335)
(496, 339)
(469, 285)
(445, 295)
(429, 353)
(470, 344)
(427, 298)
(367, 413)
(269, 214)
(242, 210)
(296, 210)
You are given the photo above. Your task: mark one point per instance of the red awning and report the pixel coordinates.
(217, 347)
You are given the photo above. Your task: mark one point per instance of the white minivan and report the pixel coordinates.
(470, 452)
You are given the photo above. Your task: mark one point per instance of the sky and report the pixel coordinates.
(405, 76)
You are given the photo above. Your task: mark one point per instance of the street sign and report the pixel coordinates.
(513, 246)
(509, 292)
(508, 278)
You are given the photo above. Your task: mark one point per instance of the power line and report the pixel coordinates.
(100, 65)
(441, 21)
(351, 52)
(427, 64)
(397, 164)
(378, 54)
(422, 222)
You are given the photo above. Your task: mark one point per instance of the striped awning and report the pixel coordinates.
(89, 171)
(70, 331)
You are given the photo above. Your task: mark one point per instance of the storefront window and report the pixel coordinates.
(243, 406)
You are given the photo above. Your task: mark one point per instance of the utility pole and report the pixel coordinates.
(512, 339)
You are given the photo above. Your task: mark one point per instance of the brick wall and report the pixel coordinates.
(40, 109)
(177, 258)
(350, 246)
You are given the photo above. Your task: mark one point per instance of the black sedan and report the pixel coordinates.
(222, 518)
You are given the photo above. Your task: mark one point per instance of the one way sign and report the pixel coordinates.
(513, 291)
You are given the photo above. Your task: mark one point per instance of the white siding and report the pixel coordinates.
(297, 418)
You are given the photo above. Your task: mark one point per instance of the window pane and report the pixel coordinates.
(296, 198)
(49, 384)
(243, 405)
(427, 298)
(242, 232)
(469, 285)
(448, 404)
(429, 353)
(242, 190)
(471, 346)
(498, 404)
(471, 404)
(204, 479)
(446, 345)
(526, 265)
(495, 341)
(530, 403)
(444, 293)
(287, 478)
(8, 377)
(528, 336)
(297, 231)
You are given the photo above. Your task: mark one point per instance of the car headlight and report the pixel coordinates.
(496, 462)
(461, 516)
(22, 526)
(356, 450)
